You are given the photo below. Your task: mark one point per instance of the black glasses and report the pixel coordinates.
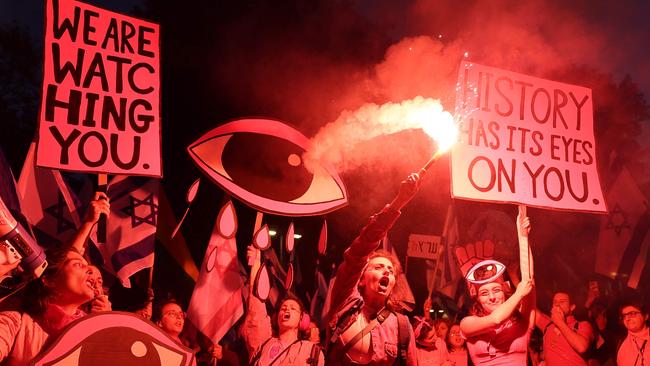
(630, 314)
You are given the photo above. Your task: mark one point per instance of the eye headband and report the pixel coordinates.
(485, 271)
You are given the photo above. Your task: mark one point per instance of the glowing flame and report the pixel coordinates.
(439, 125)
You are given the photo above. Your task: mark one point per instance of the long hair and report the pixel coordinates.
(397, 295)
(477, 309)
(40, 292)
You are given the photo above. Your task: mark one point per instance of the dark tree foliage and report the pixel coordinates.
(20, 81)
(620, 110)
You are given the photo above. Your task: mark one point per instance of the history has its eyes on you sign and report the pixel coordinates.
(524, 140)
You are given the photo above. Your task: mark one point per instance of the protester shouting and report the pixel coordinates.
(365, 326)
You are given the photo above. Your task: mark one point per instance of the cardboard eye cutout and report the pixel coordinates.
(259, 161)
(128, 339)
(485, 271)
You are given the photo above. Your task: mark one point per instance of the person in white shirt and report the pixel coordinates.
(634, 351)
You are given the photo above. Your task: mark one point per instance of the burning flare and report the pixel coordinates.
(333, 143)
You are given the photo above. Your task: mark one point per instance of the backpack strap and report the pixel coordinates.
(404, 337)
(313, 356)
(258, 355)
(375, 322)
(339, 352)
(343, 320)
(546, 328)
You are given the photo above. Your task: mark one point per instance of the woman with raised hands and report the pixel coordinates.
(501, 321)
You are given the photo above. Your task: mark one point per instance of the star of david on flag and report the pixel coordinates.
(623, 243)
(131, 229)
(617, 220)
(141, 211)
(58, 211)
(48, 203)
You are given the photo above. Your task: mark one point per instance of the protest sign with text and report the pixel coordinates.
(424, 246)
(524, 140)
(100, 105)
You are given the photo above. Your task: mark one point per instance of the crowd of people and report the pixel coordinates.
(366, 321)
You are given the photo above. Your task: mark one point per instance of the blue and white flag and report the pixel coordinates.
(48, 203)
(131, 229)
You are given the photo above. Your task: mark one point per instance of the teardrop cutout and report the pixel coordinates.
(289, 240)
(288, 282)
(212, 260)
(262, 284)
(194, 189)
(262, 239)
(322, 240)
(227, 220)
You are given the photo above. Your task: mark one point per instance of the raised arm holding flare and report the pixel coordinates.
(365, 326)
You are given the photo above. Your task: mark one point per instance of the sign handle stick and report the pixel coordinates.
(151, 272)
(524, 248)
(102, 186)
(433, 284)
(435, 272)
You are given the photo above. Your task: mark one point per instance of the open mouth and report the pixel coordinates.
(93, 286)
(383, 282)
(286, 316)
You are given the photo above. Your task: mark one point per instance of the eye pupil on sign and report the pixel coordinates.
(267, 165)
(294, 160)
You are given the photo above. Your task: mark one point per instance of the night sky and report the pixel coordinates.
(305, 62)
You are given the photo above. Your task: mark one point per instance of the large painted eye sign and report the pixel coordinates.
(129, 340)
(485, 271)
(259, 161)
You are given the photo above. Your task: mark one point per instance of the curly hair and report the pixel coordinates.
(397, 295)
(382, 253)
